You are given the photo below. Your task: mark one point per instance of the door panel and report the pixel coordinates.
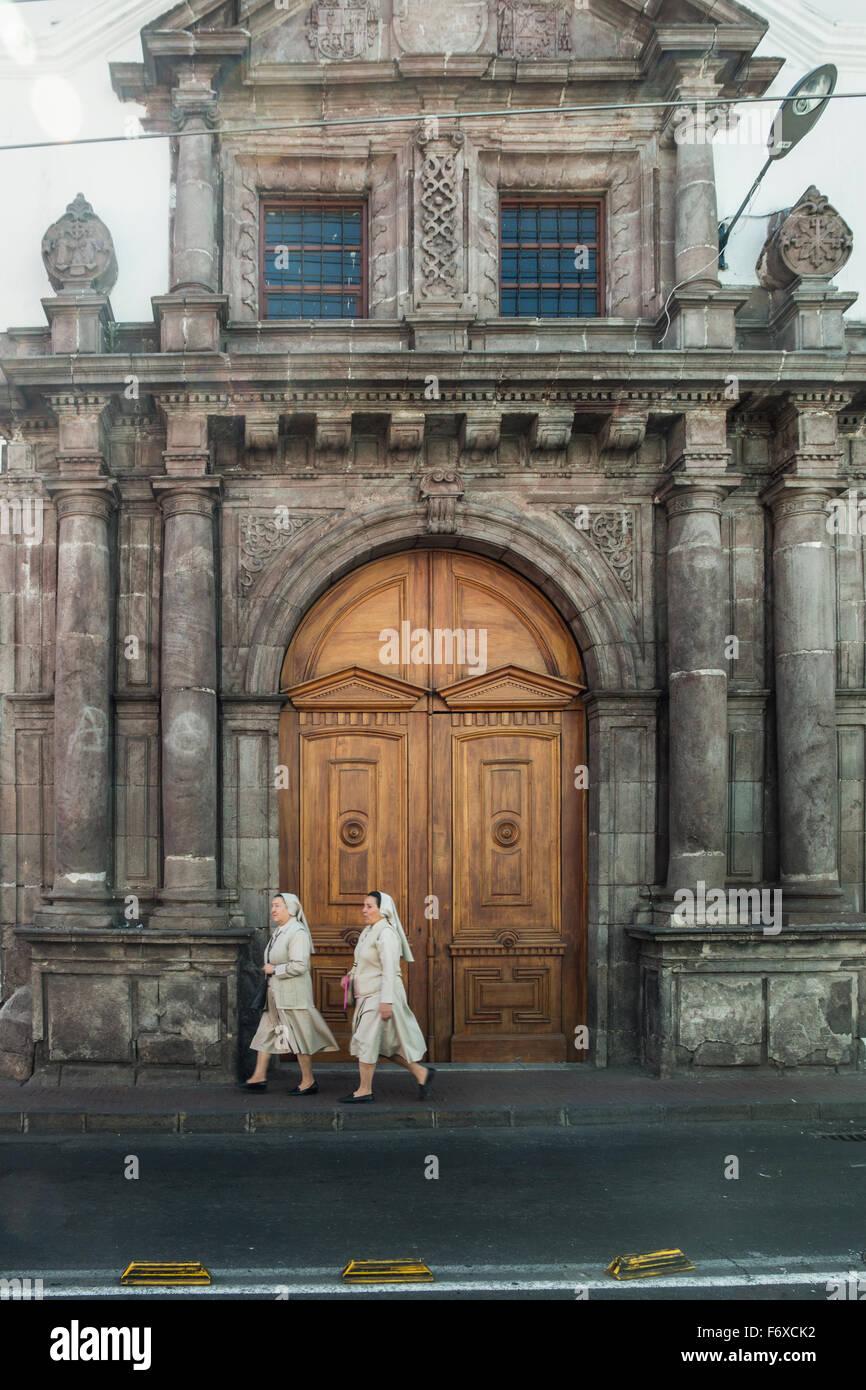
(458, 800)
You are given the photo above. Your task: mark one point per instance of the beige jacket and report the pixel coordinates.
(289, 950)
(377, 962)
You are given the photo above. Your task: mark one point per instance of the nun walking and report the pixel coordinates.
(384, 1025)
(291, 1022)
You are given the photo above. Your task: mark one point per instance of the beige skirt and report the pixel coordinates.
(373, 1037)
(300, 1030)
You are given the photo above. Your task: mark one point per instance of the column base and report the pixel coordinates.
(90, 913)
(700, 318)
(137, 1004)
(714, 999)
(210, 910)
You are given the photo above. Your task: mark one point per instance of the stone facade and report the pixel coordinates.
(201, 481)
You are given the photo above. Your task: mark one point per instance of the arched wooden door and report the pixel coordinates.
(431, 733)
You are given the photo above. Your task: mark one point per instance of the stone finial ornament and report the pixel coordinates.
(78, 251)
(810, 239)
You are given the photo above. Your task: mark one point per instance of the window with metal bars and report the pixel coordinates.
(314, 260)
(551, 253)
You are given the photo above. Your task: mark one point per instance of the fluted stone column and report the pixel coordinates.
(697, 678)
(189, 701)
(82, 707)
(807, 458)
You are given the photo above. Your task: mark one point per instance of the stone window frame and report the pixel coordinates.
(252, 179)
(268, 203)
(561, 200)
(622, 180)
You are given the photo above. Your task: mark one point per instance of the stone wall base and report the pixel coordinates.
(712, 998)
(133, 1005)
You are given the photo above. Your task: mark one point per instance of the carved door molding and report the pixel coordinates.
(449, 786)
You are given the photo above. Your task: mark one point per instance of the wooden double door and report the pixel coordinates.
(432, 730)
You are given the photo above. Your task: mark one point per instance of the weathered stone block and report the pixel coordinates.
(811, 1020)
(89, 1018)
(720, 1020)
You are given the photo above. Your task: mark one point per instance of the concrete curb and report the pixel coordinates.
(384, 1118)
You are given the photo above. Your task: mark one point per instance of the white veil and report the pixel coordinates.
(389, 912)
(293, 904)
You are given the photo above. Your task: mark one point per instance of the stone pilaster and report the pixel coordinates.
(191, 314)
(697, 679)
(807, 458)
(700, 312)
(189, 701)
(82, 708)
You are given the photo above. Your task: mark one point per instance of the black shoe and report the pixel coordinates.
(424, 1087)
(310, 1091)
(355, 1100)
(252, 1085)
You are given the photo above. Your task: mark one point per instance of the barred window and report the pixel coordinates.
(551, 258)
(314, 260)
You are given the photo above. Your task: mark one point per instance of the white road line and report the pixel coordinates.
(237, 1283)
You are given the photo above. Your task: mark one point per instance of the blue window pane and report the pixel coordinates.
(588, 224)
(509, 224)
(509, 304)
(352, 229)
(312, 228)
(528, 303)
(569, 225)
(529, 266)
(332, 229)
(549, 224)
(550, 265)
(332, 306)
(569, 304)
(332, 268)
(528, 224)
(589, 303)
(550, 303)
(350, 307)
(509, 265)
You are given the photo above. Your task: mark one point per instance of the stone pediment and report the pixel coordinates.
(511, 687)
(355, 688)
(304, 32)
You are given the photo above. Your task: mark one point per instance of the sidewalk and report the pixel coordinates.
(461, 1096)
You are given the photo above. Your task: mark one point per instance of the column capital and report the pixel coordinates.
(83, 496)
(701, 492)
(790, 493)
(198, 496)
(806, 437)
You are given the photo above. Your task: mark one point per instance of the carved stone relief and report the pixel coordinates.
(611, 531)
(535, 28)
(808, 239)
(260, 538)
(440, 220)
(340, 30)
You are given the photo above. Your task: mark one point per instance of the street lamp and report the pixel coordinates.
(800, 110)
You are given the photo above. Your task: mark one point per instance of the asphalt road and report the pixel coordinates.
(534, 1213)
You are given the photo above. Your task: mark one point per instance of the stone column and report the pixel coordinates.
(807, 458)
(697, 679)
(700, 313)
(82, 705)
(189, 701)
(193, 249)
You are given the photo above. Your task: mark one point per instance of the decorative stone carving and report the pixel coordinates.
(611, 531)
(340, 30)
(78, 252)
(440, 219)
(260, 540)
(551, 429)
(480, 431)
(429, 26)
(440, 490)
(810, 239)
(406, 431)
(535, 28)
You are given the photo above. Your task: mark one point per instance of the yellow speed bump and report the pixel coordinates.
(184, 1272)
(387, 1272)
(647, 1266)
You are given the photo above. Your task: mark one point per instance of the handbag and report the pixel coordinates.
(349, 991)
(260, 998)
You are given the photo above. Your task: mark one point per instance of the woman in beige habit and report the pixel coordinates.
(290, 1022)
(383, 1025)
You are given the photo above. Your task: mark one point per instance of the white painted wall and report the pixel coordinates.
(55, 84)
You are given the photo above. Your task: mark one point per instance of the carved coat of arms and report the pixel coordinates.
(534, 28)
(339, 30)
